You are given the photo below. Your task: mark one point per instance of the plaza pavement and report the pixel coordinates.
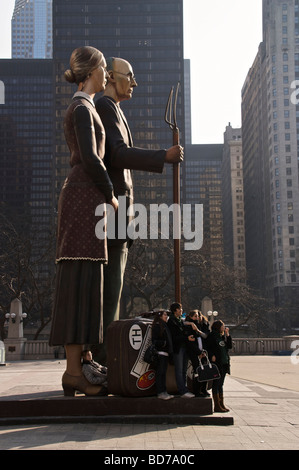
(262, 393)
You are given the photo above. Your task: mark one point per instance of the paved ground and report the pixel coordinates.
(262, 394)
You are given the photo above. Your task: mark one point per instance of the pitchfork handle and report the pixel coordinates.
(176, 200)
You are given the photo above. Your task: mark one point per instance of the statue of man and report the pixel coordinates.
(120, 158)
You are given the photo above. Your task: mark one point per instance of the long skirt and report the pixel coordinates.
(78, 303)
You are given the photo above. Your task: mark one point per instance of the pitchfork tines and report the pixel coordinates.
(170, 111)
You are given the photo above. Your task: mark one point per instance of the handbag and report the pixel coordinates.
(150, 355)
(208, 371)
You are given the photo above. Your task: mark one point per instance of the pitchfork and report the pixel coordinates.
(170, 119)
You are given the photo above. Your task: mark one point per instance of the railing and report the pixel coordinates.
(40, 349)
(259, 346)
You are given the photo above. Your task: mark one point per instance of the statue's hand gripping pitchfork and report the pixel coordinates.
(170, 119)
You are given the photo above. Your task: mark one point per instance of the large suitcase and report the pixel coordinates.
(128, 374)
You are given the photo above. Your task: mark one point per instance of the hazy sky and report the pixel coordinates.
(221, 39)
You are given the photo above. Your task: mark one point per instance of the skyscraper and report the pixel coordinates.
(270, 151)
(233, 201)
(31, 29)
(26, 138)
(203, 186)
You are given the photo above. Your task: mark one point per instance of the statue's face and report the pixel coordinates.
(124, 79)
(99, 76)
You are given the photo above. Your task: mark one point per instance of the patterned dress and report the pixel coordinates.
(77, 314)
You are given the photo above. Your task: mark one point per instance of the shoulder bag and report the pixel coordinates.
(207, 371)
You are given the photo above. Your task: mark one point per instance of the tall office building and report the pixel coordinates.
(26, 138)
(270, 152)
(233, 200)
(26, 208)
(203, 186)
(31, 29)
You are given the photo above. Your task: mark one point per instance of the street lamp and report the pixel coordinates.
(22, 317)
(13, 317)
(15, 341)
(212, 315)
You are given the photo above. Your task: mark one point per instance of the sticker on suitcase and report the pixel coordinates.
(135, 337)
(145, 378)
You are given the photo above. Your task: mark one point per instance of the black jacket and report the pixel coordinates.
(120, 155)
(178, 333)
(161, 338)
(218, 346)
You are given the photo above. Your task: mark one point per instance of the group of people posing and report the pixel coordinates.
(179, 341)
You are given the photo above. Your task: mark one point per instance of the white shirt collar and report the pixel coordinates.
(82, 94)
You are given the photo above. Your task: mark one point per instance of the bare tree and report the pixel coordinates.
(149, 284)
(26, 270)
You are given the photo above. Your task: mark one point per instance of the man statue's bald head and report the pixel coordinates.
(121, 79)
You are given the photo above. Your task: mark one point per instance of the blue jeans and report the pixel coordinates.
(180, 364)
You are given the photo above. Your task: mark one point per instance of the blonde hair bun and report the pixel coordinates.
(69, 76)
(82, 62)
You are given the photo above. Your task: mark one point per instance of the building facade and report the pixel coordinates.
(270, 152)
(233, 200)
(26, 201)
(26, 138)
(203, 186)
(31, 29)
